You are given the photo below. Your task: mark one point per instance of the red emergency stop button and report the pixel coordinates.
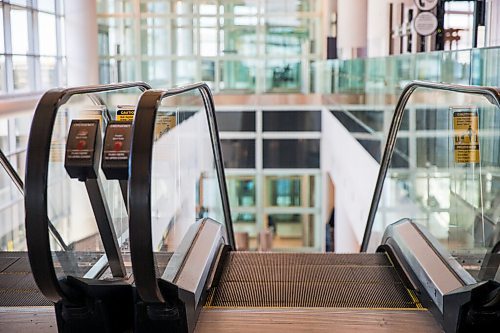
(118, 145)
(82, 144)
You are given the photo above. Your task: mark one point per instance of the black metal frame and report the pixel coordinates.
(492, 95)
(37, 160)
(142, 256)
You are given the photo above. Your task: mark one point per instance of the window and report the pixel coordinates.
(236, 121)
(292, 121)
(291, 153)
(31, 57)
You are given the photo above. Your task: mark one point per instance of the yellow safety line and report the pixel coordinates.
(415, 299)
(217, 307)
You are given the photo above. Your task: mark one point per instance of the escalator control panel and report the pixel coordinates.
(116, 152)
(83, 147)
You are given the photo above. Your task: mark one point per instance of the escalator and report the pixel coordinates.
(175, 264)
(410, 273)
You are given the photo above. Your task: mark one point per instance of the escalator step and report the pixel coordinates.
(310, 280)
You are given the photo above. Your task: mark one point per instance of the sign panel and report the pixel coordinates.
(164, 123)
(83, 146)
(81, 138)
(116, 150)
(426, 4)
(466, 133)
(425, 23)
(125, 113)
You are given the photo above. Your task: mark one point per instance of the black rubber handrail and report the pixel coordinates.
(37, 162)
(140, 233)
(492, 95)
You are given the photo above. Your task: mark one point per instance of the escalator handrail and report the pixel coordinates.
(36, 181)
(140, 234)
(492, 94)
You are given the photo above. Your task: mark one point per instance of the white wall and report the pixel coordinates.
(378, 28)
(351, 28)
(493, 23)
(354, 172)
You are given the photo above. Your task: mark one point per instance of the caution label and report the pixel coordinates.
(465, 127)
(125, 114)
(164, 123)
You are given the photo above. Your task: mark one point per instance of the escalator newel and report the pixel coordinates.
(162, 317)
(93, 305)
(474, 308)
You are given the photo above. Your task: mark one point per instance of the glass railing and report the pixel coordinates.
(450, 183)
(381, 80)
(176, 181)
(13, 136)
(362, 93)
(66, 191)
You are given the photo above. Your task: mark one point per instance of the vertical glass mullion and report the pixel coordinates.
(9, 71)
(34, 67)
(59, 52)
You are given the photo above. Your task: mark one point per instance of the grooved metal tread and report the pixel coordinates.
(310, 280)
(17, 286)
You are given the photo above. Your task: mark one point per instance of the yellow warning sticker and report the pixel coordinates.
(466, 132)
(125, 115)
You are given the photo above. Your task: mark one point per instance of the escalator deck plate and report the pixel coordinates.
(252, 279)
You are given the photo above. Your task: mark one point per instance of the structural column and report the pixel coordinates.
(352, 28)
(81, 42)
(493, 23)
